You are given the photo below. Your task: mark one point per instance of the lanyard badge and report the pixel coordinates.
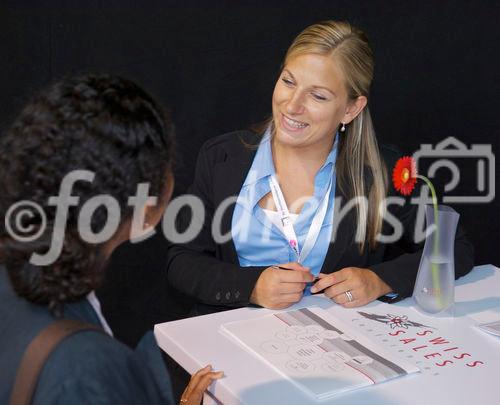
(288, 230)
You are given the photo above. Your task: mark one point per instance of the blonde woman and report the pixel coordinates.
(309, 200)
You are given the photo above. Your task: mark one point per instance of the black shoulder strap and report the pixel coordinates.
(37, 354)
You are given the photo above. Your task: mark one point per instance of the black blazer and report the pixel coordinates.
(211, 272)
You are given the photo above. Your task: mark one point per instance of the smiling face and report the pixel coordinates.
(309, 101)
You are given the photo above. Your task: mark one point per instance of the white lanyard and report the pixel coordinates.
(314, 229)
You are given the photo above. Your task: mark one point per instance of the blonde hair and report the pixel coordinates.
(358, 149)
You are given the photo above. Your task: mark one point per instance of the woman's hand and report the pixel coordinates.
(363, 284)
(278, 289)
(193, 394)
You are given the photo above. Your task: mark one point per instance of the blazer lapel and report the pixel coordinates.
(228, 179)
(342, 234)
(229, 176)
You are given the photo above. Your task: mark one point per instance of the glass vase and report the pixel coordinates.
(434, 291)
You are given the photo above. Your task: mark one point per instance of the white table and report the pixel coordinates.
(195, 342)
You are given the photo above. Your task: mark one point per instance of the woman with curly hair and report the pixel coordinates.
(112, 129)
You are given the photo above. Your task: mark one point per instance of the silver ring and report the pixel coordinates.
(349, 296)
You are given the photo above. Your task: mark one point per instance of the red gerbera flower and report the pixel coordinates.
(404, 175)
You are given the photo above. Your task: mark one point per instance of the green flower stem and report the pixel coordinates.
(434, 267)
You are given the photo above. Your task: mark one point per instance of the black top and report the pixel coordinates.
(211, 272)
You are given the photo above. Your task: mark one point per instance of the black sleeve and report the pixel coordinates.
(195, 267)
(400, 269)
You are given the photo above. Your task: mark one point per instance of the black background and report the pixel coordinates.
(215, 63)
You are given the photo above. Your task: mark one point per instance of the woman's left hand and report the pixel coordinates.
(361, 285)
(193, 394)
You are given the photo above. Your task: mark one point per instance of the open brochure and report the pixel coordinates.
(317, 352)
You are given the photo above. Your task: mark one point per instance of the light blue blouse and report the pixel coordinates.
(258, 242)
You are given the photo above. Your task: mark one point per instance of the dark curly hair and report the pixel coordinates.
(101, 123)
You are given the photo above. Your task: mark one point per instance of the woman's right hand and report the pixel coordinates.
(193, 394)
(278, 289)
